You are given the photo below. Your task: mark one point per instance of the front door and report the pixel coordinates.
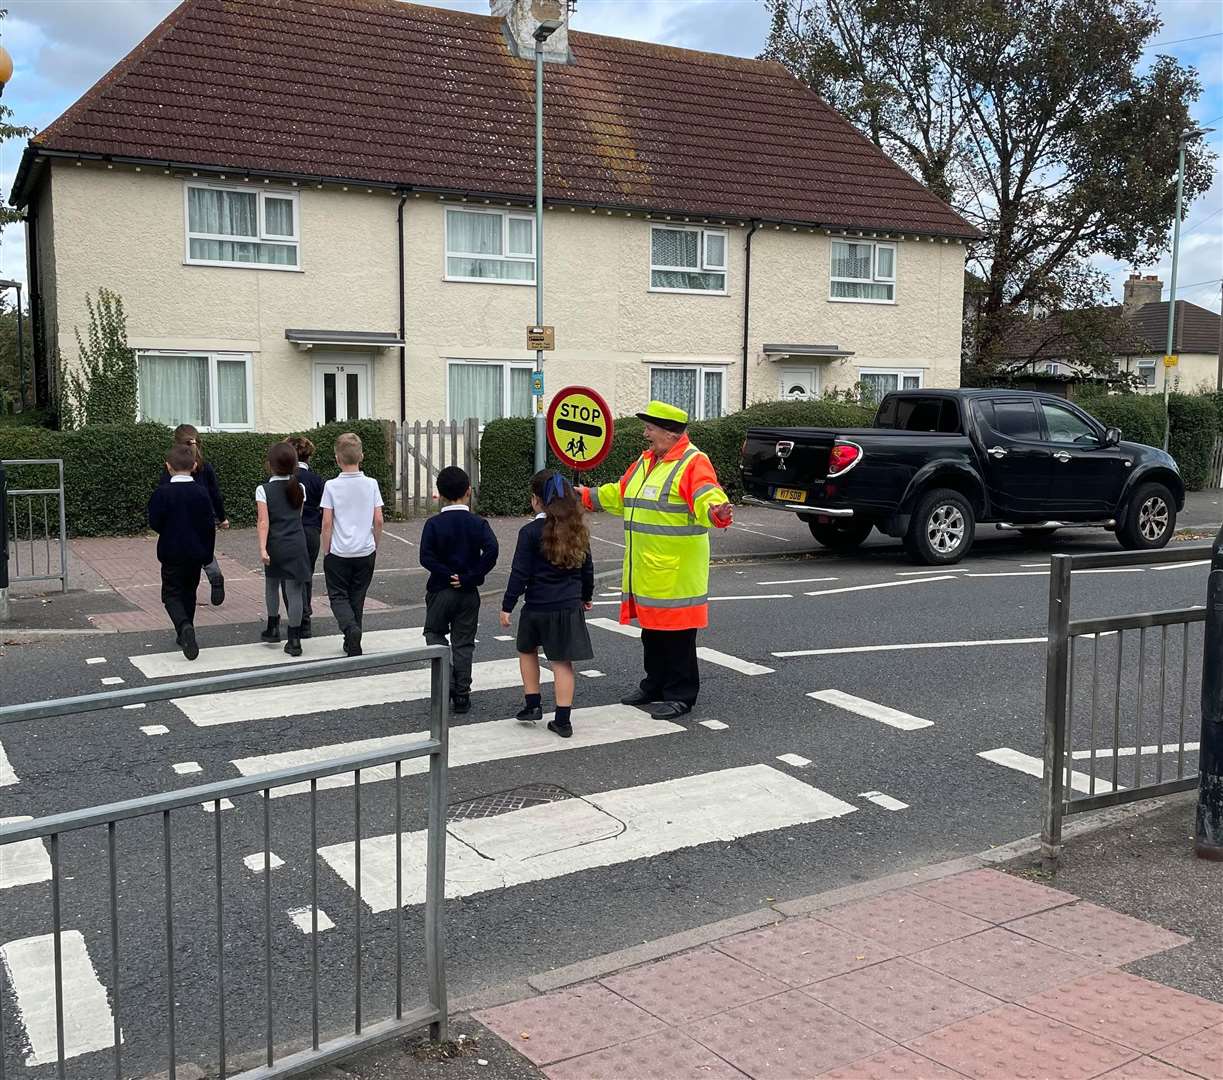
(798, 384)
(1086, 476)
(341, 392)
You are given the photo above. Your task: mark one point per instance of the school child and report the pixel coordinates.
(553, 567)
(459, 550)
(205, 475)
(352, 529)
(312, 518)
(282, 544)
(181, 513)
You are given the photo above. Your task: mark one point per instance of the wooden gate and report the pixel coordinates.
(425, 449)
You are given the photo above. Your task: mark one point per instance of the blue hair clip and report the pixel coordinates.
(555, 488)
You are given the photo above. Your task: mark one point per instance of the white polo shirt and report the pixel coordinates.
(352, 498)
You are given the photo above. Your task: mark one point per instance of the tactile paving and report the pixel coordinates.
(693, 985)
(895, 1064)
(992, 895)
(667, 1056)
(1148, 1068)
(903, 921)
(1005, 965)
(802, 951)
(568, 1023)
(1200, 1054)
(1013, 1044)
(1097, 933)
(901, 999)
(787, 1036)
(1127, 1009)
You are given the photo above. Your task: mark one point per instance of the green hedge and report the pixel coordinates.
(110, 471)
(507, 448)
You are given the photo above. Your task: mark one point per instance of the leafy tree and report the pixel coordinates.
(9, 130)
(101, 389)
(11, 372)
(1028, 116)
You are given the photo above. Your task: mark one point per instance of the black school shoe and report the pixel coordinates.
(186, 639)
(352, 641)
(305, 631)
(669, 710)
(530, 714)
(564, 730)
(218, 591)
(460, 704)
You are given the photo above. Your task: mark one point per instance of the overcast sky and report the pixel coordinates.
(61, 47)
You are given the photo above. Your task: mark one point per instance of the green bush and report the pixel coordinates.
(1139, 416)
(110, 471)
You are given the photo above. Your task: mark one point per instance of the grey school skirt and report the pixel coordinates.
(561, 634)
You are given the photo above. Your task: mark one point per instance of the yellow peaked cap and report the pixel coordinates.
(660, 410)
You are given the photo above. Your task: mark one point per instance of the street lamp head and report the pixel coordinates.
(6, 68)
(545, 29)
(1189, 134)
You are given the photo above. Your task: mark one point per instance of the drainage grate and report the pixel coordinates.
(504, 802)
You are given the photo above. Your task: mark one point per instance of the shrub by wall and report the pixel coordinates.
(110, 471)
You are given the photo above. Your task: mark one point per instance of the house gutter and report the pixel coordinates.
(403, 349)
(747, 297)
(39, 359)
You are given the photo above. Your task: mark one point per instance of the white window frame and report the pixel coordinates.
(701, 372)
(213, 359)
(264, 236)
(506, 365)
(504, 257)
(875, 279)
(1153, 365)
(901, 374)
(702, 249)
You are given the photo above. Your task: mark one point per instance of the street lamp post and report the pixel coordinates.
(542, 32)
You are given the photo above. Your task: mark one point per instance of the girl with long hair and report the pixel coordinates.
(282, 544)
(553, 567)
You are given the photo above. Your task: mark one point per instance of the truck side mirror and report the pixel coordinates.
(1112, 437)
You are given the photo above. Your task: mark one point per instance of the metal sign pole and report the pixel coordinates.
(541, 448)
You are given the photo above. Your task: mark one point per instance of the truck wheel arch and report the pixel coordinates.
(1154, 474)
(958, 478)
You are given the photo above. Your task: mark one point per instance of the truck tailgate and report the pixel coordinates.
(781, 457)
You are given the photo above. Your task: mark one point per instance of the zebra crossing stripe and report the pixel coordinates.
(605, 829)
(25, 862)
(711, 656)
(470, 744)
(7, 776)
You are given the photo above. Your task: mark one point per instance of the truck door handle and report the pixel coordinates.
(996, 452)
(1062, 456)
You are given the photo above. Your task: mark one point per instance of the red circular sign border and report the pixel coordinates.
(598, 459)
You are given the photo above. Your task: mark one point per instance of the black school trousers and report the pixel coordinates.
(178, 584)
(454, 614)
(671, 672)
(348, 580)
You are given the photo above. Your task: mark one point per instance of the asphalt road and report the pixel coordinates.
(763, 793)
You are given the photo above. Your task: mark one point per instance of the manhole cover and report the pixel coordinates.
(504, 802)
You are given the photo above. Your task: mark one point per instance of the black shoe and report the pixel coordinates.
(218, 591)
(460, 704)
(352, 641)
(530, 714)
(294, 645)
(637, 697)
(272, 633)
(305, 631)
(186, 639)
(669, 710)
(564, 730)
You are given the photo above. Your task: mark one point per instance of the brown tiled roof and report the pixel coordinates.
(1196, 329)
(394, 93)
(1142, 332)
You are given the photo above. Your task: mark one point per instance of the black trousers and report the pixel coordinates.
(178, 584)
(671, 672)
(348, 581)
(454, 613)
(314, 538)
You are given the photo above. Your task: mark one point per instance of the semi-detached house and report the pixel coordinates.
(322, 209)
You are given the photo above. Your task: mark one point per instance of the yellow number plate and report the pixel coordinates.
(790, 495)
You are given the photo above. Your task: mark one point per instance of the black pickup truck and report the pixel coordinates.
(937, 462)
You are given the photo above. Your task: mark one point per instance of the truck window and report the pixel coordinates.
(920, 414)
(1012, 419)
(1066, 426)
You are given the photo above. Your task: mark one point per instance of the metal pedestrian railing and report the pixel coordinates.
(1112, 683)
(35, 526)
(160, 809)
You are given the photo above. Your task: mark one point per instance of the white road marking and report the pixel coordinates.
(470, 744)
(756, 596)
(301, 919)
(8, 775)
(886, 801)
(88, 1022)
(602, 541)
(871, 710)
(1128, 751)
(114, 680)
(798, 581)
(239, 706)
(757, 532)
(504, 637)
(25, 862)
(1116, 570)
(1184, 565)
(396, 536)
(911, 645)
(156, 729)
(1010, 573)
(212, 809)
(713, 725)
(261, 654)
(712, 656)
(186, 768)
(95, 660)
(797, 760)
(879, 585)
(604, 829)
(934, 570)
(254, 863)
(626, 629)
(138, 705)
(591, 673)
(1034, 766)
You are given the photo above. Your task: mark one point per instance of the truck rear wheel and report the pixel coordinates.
(1149, 519)
(941, 529)
(844, 535)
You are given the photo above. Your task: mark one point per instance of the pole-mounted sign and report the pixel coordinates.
(580, 427)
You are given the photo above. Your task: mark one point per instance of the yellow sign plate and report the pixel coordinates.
(579, 427)
(541, 337)
(1171, 361)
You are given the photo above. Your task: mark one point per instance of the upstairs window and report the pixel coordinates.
(241, 227)
(864, 272)
(489, 245)
(687, 259)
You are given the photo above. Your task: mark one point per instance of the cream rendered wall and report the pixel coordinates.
(124, 230)
(1193, 373)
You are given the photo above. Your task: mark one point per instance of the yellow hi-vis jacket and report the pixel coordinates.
(665, 505)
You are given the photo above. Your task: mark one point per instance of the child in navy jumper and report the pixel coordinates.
(181, 513)
(459, 550)
(205, 475)
(312, 518)
(552, 565)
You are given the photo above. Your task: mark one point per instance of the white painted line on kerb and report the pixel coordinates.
(886, 801)
(8, 777)
(254, 863)
(712, 656)
(1034, 766)
(95, 660)
(797, 760)
(258, 654)
(1184, 565)
(470, 744)
(847, 650)
(238, 706)
(25, 862)
(301, 919)
(713, 725)
(1128, 751)
(604, 829)
(880, 585)
(871, 710)
(187, 768)
(156, 729)
(88, 1022)
(798, 581)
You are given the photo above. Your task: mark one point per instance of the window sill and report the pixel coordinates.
(855, 300)
(245, 266)
(690, 292)
(487, 281)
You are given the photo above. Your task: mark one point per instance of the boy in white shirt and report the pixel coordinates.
(352, 529)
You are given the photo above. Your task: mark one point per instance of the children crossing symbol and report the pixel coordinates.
(580, 427)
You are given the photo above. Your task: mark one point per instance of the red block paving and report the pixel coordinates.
(803, 951)
(669, 1056)
(992, 895)
(1200, 1054)
(1097, 933)
(903, 921)
(898, 1063)
(1147, 1068)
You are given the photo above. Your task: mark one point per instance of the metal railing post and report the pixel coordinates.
(4, 614)
(1056, 711)
(1208, 830)
(435, 862)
